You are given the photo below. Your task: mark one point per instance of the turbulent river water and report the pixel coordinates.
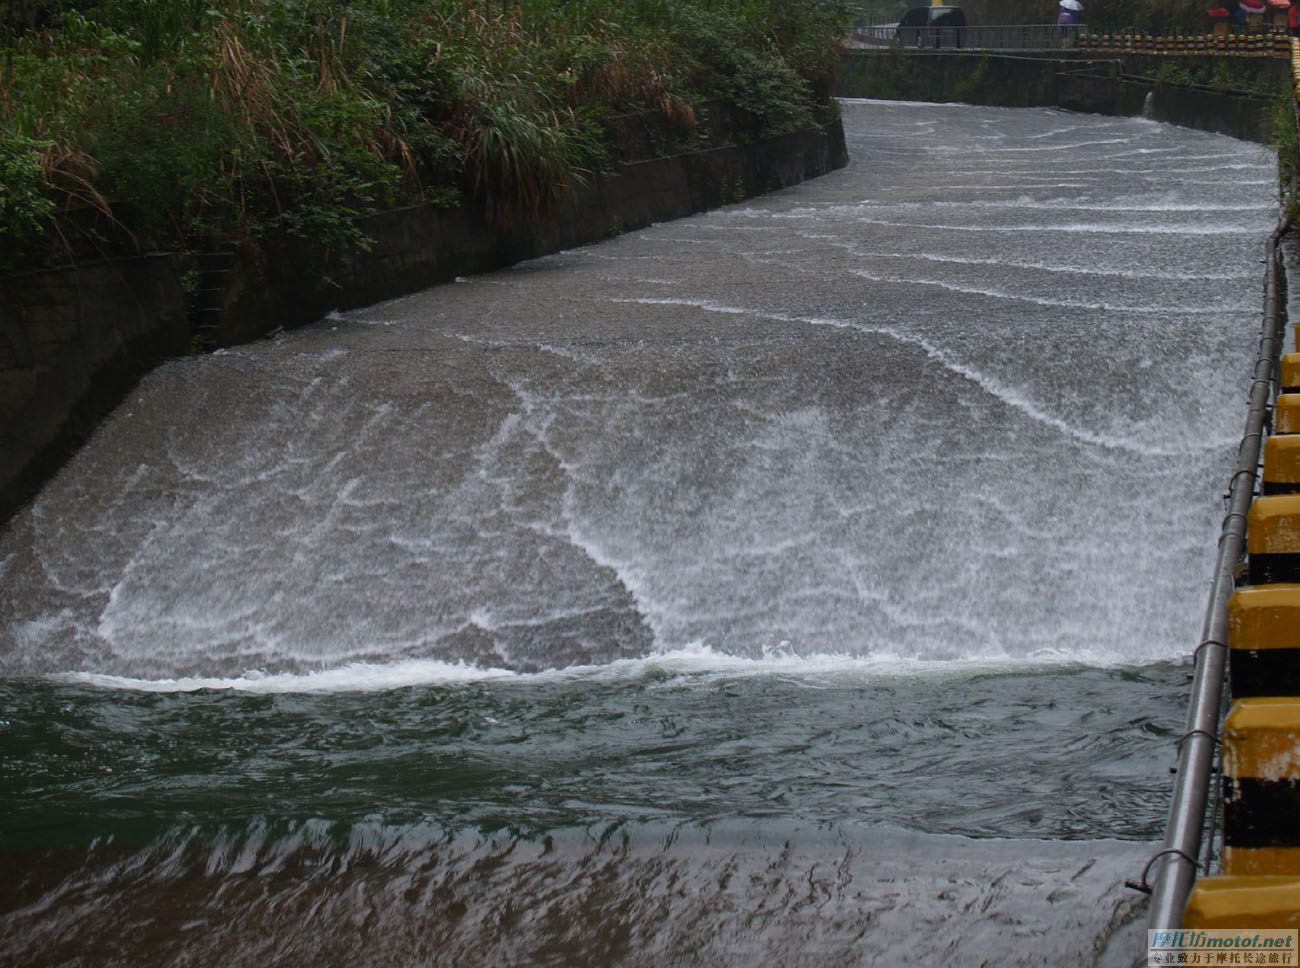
(803, 583)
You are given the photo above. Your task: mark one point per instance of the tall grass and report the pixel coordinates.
(184, 121)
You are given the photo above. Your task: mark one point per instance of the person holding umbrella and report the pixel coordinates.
(1068, 20)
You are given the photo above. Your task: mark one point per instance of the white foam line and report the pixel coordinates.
(1184, 169)
(1073, 270)
(1037, 183)
(1051, 133)
(1059, 303)
(1063, 205)
(353, 677)
(695, 659)
(933, 105)
(989, 385)
(1077, 228)
(968, 151)
(1021, 204)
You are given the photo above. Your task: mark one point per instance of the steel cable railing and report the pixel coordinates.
(1049, 38)
(1176, 862)
(1010, 38)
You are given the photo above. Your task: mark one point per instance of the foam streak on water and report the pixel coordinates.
(694, 660)
(806, 582)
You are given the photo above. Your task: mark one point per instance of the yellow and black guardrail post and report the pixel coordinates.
(1222, 43)
(1244, 902)
(1286, 414)
(1273, 538)
(1260, 883)
(1281, 465)
(1289, 371)
(1261, 782)
(1264, 641)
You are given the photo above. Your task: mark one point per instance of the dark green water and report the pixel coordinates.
(808, 750)
(474, 818)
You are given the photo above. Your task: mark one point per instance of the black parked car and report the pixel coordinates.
(931, 27)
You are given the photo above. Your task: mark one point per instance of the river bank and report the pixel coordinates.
(180, 178)
(77, 338)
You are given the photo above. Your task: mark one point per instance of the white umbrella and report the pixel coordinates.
(1074, 5)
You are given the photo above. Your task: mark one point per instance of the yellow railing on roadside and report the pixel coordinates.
(1182, 45)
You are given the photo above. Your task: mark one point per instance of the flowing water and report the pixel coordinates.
(806, 582)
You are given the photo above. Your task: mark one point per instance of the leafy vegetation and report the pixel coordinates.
(180, 121)
(1286, 141)
(1219, 73)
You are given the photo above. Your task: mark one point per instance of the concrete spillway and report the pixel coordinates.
(830, 555)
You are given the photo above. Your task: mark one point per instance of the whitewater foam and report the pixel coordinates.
(1077, 228)
(693, 660)
(990, 385)
(1063, 268)
(991, 293)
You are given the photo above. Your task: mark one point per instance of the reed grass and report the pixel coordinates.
(188, 121)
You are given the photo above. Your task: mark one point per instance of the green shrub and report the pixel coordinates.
(25, 204)
(159, 150)
(755, 79)
(1286, 141)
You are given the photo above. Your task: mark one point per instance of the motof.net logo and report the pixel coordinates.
(1222, 946)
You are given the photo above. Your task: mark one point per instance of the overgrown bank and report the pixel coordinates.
(166, 124)
(301, 226)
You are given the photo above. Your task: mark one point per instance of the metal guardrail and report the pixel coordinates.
(1045, 38)
(1028, 37)
(1177, 859)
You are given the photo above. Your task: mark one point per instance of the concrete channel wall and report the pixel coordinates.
(75, 339)
(1125, 85)
(287, 282)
